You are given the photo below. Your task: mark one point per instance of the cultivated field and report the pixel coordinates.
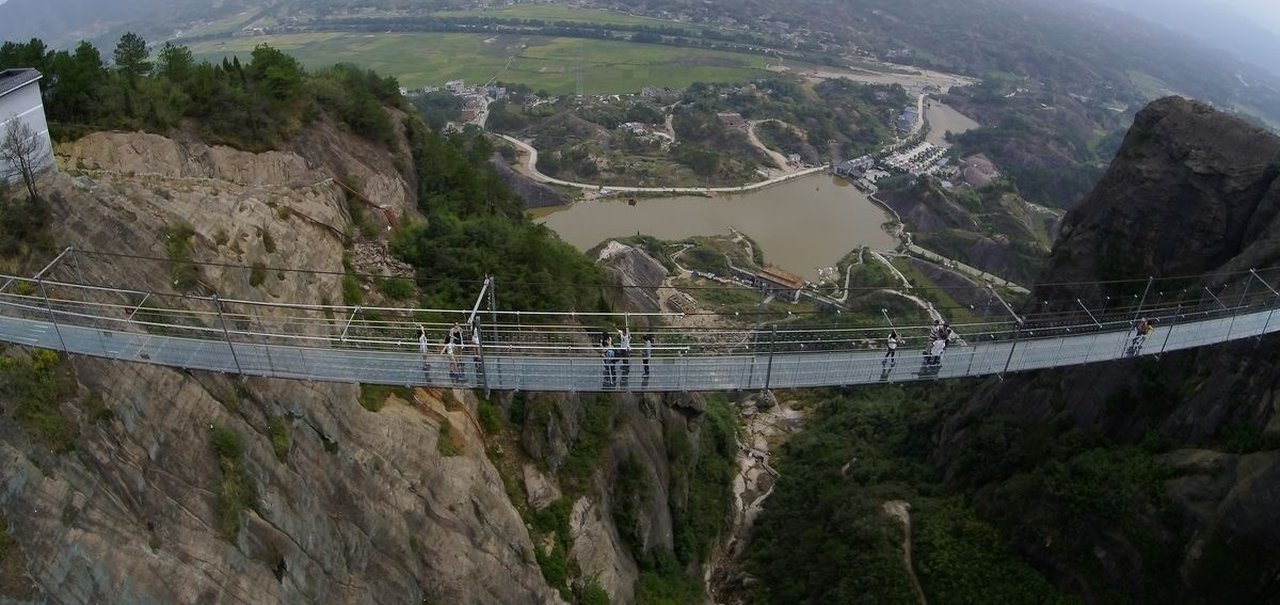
(556, 12)
(420, 59)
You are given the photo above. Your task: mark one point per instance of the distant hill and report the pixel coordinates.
(1212, 23)
(61, 23)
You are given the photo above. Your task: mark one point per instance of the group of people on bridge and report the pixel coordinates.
(940, 337)
(457, 343)
(622, 353)
(454, 347)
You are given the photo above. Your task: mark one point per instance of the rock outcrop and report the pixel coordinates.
(534, 194)
(1191, 191)
(638, 273)
(350, 506)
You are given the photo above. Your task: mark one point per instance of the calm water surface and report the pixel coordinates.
(802, 225)
(943, 118)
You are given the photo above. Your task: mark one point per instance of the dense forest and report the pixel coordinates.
(1024, 511)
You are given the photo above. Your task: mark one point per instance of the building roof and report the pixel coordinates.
(779, 276)
(13, 79)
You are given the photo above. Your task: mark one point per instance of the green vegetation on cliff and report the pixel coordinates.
(253, 105)
(39, 395)
(475, 226)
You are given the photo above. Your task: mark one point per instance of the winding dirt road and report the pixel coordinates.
(530, 168)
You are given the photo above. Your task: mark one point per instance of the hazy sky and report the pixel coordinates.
(1265, 12)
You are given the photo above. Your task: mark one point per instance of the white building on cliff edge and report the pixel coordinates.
(20, 101)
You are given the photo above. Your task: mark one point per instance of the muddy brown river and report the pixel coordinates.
(802, 225)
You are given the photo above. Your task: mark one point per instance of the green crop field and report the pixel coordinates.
(557, 12)
(541, 62)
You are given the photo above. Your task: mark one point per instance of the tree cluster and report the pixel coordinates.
(252, 105)
(475, 225)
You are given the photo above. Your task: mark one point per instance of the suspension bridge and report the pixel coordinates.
(562, 351)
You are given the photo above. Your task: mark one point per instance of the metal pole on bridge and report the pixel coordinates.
(1169, 331)
(84, 297)
(1236, 311)
(493, 308)
(483, 373)
(755, 337)
(57, 330)
(493, 320)
(1090, 314)
(768, 375)
(1273, 309)
(1017, 328)
(1138, 313)
(227, 335)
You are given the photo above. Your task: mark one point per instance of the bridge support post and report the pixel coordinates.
(1017, 332)
(755, 337)
(84, 297)
(493, 323)
(1141, 303)
(52, 318)
(482, 373)
(1273, 307)
(1236, 310)
(1017, 328)
(768, 375)
(266, 344)
(343, 338)
(473, 321)
(227, 335)
(1169, 331)
(1089, 313)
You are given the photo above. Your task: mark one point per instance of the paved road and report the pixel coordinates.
(506, 371)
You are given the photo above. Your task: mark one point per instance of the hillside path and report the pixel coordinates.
(901, 510)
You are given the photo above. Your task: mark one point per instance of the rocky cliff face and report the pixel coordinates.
(1191, 191)
(534, 194)
(639, 275)
(421, 501)
(344, 504)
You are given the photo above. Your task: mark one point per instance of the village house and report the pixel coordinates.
(21, 103)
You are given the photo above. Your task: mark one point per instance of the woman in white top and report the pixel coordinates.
(891, 355)
(423, 347)
(939, 346)
(451, 351)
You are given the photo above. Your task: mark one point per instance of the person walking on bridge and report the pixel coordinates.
(475, 347)
(450, 351)
(933, 357)
(1141, 330)
(610, 358)
(423, 349)
(891, 346)
(624, 350)
(936, 330)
